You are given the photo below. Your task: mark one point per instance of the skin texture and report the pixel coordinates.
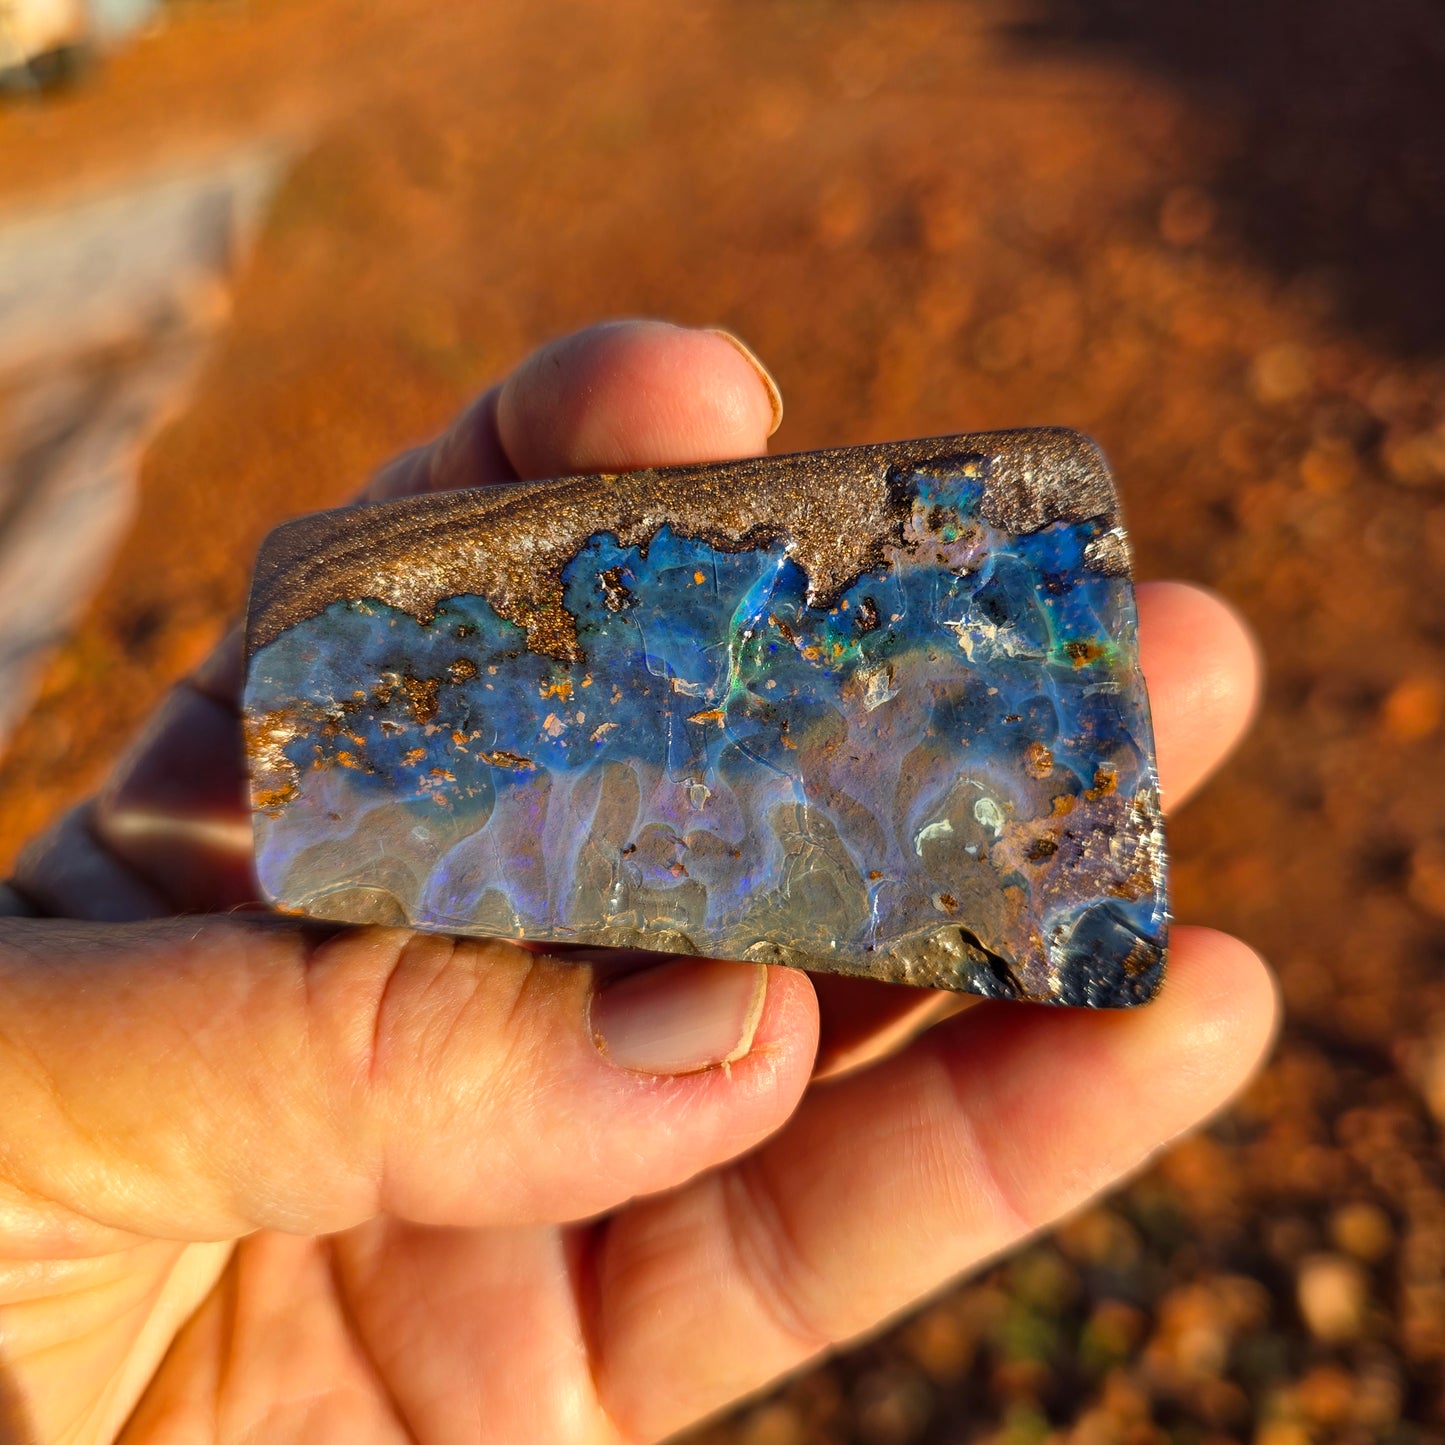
(265, 1182)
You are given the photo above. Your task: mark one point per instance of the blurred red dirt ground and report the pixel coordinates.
(1207, 236)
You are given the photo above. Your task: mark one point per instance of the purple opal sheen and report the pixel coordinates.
(875, 711)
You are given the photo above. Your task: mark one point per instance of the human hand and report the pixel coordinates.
(268, 1181)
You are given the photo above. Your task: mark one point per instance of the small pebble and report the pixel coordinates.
(1281, 373)
(1413, 708)
(776, 1423)
(1331, 1290)
(1363, 1230)
(1326, 1395)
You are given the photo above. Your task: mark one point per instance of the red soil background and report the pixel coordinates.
(1208, 235)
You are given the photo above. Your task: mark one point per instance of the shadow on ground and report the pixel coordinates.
(1338, 173)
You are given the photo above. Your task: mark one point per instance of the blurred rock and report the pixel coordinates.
(1329, 467)
(891, 1408)
(1363, 1230)
(776, 1423)
(1102, 1238)
(1282, 373)
(1413, 708)
(1326, 1396)
(1192, 1339)
(1043, 1279)
(941, 1342)
(1331, 1291)
(1283, 1432)
(1113, 1332)
(1416, 458)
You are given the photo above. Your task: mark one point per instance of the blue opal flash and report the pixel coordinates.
(885, 719)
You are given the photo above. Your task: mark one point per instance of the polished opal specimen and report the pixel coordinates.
(874, 711)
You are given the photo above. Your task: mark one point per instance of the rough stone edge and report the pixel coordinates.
(458, 541)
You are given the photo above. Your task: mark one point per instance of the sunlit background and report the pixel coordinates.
(250, 248)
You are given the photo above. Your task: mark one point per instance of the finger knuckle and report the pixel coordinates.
(771, 1259)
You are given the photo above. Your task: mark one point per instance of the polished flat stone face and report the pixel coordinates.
(874, 711)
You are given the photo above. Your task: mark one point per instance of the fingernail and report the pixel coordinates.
(775, 397)
(681, 1017)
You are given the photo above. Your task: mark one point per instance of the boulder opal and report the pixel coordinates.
(875, 711)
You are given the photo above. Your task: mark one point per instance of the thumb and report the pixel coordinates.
(201, 1078)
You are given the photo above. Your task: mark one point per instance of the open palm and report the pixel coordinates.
(261, 1181)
